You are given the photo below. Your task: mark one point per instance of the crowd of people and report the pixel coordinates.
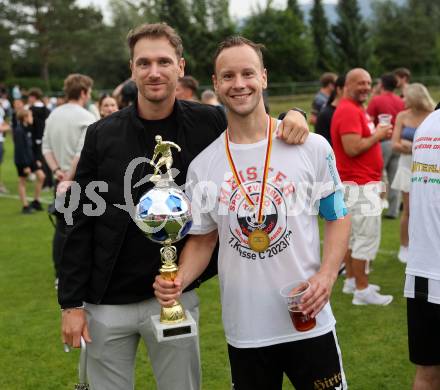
(386, 157)
(106, 270)
(372, 145)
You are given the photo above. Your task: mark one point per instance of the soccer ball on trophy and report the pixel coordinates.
(164, 214)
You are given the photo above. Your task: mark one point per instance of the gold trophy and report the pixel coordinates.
(164, 215)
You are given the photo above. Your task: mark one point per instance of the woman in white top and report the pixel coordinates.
(419, 105)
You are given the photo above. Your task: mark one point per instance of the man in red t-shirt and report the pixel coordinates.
(387, 102)
(356, 143)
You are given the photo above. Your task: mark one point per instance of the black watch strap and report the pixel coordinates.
(300, 111)
(283, 114)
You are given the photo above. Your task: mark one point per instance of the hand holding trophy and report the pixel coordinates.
(164, 215)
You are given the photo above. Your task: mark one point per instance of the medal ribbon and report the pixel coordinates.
(265, 170)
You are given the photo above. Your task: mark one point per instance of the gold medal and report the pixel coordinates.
(259, 240)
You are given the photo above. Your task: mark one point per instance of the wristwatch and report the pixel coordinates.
(283, 114)
(300, 111)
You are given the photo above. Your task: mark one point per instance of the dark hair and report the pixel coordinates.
(388, 81)
(129, 93)
(339, 83)
(74, 84)
(155, 31)
(327, 78)
(402, 72)
(237, 40)
(37, 93)
(105, 96)
(190, 83)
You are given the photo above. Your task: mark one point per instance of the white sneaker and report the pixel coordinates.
(403, 254)
(350, 286)
(368, 296)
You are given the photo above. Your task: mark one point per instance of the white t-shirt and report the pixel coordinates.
(424, 218)
(65, 131)
(254, 313)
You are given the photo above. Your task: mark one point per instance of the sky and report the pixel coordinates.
(237, 8)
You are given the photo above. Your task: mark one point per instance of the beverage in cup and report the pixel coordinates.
(384, 119)
(292, 294)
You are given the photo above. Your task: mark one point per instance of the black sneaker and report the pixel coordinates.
(27, 210)
(36, 205)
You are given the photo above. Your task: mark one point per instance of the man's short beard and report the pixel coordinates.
(154, 101)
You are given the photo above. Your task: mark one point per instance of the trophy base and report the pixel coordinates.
(166, 332)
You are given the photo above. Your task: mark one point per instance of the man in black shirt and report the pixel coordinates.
(108, 266)
(40, 113)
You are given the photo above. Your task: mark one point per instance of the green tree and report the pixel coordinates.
(289, 52)
(220, 18)
(200, 13)
(418, 50)
(293, 6)
(5, 53)
(350, 36)
(321, 37)
(56, 31)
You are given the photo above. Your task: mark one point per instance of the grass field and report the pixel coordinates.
(372, 339)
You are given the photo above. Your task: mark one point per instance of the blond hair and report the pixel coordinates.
(22, 114)
(418, 98)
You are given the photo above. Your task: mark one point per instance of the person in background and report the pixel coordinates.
(25, 161)
(60, 100)
(387, 102)
(125, 93)
(403, 76)
(356, 143)
(422, 284)
(324, 121)
(327, 81)
(39, 113)
(107, 105)
(17, 105)
(16, 92)
(93, 109)
(186, 89)
(209, 97)
(63, 140)
(419, 105)
(4, 128)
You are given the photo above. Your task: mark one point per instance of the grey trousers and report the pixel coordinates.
(116, 330)
(390, 163)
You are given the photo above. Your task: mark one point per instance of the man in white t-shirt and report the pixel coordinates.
(295, 183)
(64, 134)
(422, 286)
